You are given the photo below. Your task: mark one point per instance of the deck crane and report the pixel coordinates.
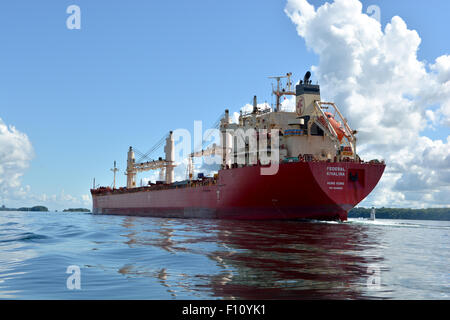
(212, 150)
(167, 164)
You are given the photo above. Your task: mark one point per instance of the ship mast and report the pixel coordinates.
(279, 92)
(113, 170)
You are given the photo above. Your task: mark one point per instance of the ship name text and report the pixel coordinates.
(336, 171)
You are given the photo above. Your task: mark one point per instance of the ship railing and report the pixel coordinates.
(259, 112)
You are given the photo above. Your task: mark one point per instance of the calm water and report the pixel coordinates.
(152, 258)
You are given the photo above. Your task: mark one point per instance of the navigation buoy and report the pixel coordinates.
(372, 214)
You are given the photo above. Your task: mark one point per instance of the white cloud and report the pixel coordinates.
(386, 93)
(64, 200)
(288, 104)
(249, 108)
(442, 68)
(16, 153)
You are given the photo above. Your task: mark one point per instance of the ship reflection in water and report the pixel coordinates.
(256, 260)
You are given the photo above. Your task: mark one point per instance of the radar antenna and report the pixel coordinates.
(280, 91)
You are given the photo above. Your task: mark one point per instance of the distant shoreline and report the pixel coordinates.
(35, 208)
(76, 210)
(43, 209)
(439, 214)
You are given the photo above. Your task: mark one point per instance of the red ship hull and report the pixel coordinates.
(300, 190)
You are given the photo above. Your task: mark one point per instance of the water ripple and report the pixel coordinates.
(153, 258)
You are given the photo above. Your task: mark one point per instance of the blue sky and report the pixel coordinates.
(138, 69)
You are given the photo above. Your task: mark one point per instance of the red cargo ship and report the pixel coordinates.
(318, 173)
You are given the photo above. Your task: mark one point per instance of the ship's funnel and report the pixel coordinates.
(306, 77)
(255, 105)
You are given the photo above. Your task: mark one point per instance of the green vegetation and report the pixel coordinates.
(35, 208)
(76, 210)
(42, 209)
(400, 213)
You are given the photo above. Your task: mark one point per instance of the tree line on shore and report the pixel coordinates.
(360, 212)
(403, 213)
(35, 208)
(42, 209)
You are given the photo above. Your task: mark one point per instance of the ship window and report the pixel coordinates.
(316, 131)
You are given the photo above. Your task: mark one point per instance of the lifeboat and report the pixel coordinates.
(337, 126)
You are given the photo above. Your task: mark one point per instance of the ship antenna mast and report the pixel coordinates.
(114, 170)
(282, 91)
